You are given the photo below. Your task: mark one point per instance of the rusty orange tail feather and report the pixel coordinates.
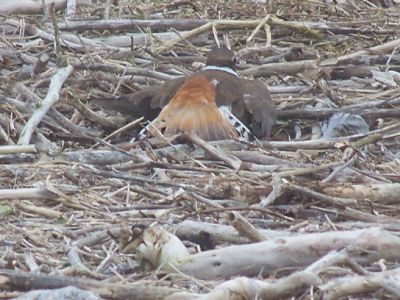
(193, 108)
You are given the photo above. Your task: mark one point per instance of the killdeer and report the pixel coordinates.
(215, 103)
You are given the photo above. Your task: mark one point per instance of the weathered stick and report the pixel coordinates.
(244, 227)
(13, 149)
(221, 232)
(350, 285)
(51, 98)
(41, 211)
(326, 112)
(93, 117)
(27, 193)
(144, 39)
(377, 193)
(292, 67)
(312, 28)
(34, 193)
(23, 281)
(231, 161)
(249, 288)
(31, 6)
(241, 24)
(331, 200)
(294, 251)
(383, 48)
(266, 257)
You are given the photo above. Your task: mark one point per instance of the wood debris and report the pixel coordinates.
(87, 209)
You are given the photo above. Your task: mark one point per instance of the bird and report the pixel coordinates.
(215, 103)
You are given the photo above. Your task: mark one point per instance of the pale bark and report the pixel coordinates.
(31, 6)
(290, 252)
(351, 285)
(220, 232)
(379, 193)
(266, 257)
(51, 98)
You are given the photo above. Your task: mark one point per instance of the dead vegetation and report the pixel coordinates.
(311, 214)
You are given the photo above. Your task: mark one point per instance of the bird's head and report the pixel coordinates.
(221, 57)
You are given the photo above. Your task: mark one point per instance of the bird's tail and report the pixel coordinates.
(193, 108)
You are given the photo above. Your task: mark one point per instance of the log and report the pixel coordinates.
(383, 193)
(22, 281)
(290, 252)
(32, 6)
(267, 257)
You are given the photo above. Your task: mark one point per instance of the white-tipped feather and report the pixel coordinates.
(144, 132)
(235, 122)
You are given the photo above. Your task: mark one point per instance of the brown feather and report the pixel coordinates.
(148, 102)
(249, 101)
(193, 108)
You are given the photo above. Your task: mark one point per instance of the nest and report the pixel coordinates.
(311, 214)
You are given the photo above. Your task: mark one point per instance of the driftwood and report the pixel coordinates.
(70, 291)
(219, 232)
(88, 207)
(51, 98)
(182, 24)
(25, 281)
(377, 193)
(164, 250)
(387, 280)
(143, 38)
(309, 277)
(32, 6)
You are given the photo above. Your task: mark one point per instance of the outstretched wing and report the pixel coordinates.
(148, 102)
(250, 101)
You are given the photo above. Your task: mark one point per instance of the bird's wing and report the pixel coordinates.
(250, 101)
(148, 102)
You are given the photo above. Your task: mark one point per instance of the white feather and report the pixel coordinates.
(224, 69)
(343, 124)
(143, 133)
(235, 122)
